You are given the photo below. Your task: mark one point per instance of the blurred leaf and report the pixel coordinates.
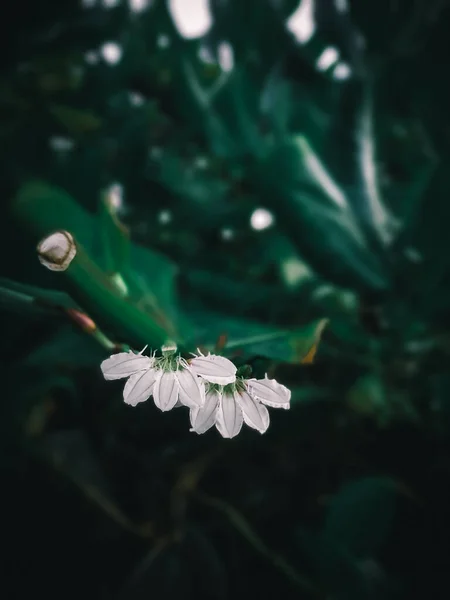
(76, 121)
(311, 354)
(368, 396)
(237, 103)
(67, 348)
(71, 452)
(115, 238)
(200, 189)
(200, 101)
(311, 205)
(357, 163)
(163, 573)
(304, 394)
(42, 209)
(309, 358)
(339, 572)
(357, 524)
(206, 565)
(276, 101)
(359, 517)
(18, 297)
(255, 339)
(240, 297)
(365, 195)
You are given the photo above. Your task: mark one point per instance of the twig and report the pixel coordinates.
(109, 508)
(244, 528)
(186, 485)
(145, 564)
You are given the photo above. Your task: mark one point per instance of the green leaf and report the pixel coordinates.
(357, 164)
(115, 238)
(312, 207)
(276, 101)
(66, 348)
(151, 281)
(236, 102)
(255, 339)
(42, 208)
(163, 574)
(18, 297)
(200, 189)
(357, 524)
(148, 319)
(337, 569)
(199, 102)
(368, 397)
(145, 275)
(360, 515)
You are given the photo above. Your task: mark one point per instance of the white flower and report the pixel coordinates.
(243, 401)
(214, 369)
(170, 379)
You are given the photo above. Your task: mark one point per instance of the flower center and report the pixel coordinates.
(237, 386)
(167, 362)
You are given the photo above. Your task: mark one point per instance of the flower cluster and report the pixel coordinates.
(207, 385)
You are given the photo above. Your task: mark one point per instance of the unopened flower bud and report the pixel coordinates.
(82, 320)
(57, 250)
(169, 348)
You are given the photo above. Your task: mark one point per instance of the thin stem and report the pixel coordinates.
(244, 528)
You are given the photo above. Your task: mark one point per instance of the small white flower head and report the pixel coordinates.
(170, 379)
(244, 401)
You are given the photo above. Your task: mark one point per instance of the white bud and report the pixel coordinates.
(57, 250)
(169, 348)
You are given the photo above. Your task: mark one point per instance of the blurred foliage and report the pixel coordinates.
(157, 162)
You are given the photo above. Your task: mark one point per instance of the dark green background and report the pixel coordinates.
(347, 495)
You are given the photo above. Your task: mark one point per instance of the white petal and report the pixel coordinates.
(256, 414)
(192, 389)
(229, 417)
(203, 418)
(213, 368)
(270, 392)
(165, 392)
(124, 364)
(139, 387)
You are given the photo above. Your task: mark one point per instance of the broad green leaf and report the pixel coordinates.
(151, 280)
(373, 209)
(357, 165)
(66, 348)
(368, 396)
(188, 569)
(19, 297)
(115, 238)
(43, 209)
(312, 208)
(199, 189)
(238, 297)
(71, 452)
(237, 103)
(360, 515)
(338, 570)
(276, 101)
(198, 100)
(255, 339)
